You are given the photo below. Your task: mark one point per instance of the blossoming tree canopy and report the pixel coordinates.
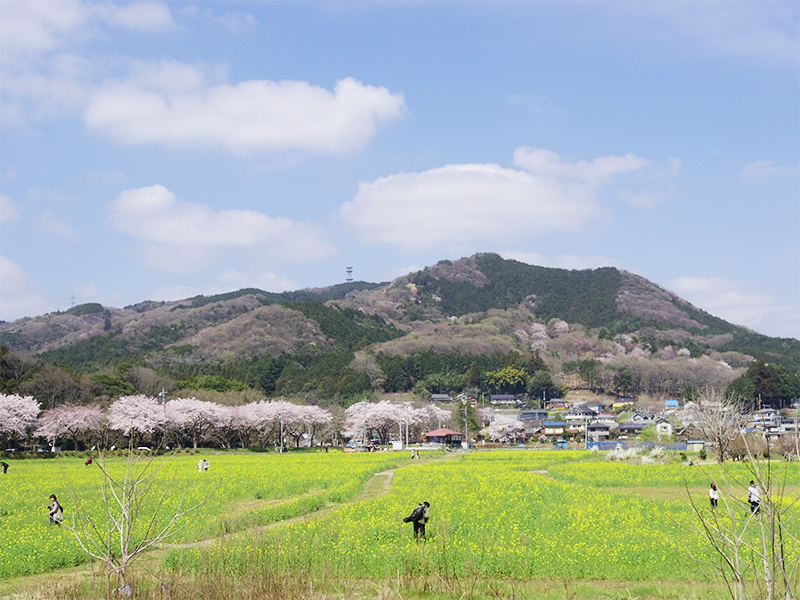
(505, 430)
(70, 419)
(136, 415)
(17, 416)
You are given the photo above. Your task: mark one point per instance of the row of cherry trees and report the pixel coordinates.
(188, 421)
(140, 419)
(365, 420)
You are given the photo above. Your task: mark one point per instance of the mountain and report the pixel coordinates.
(482, 305)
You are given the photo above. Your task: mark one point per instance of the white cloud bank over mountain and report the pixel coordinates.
(179, 236)
(443, 207)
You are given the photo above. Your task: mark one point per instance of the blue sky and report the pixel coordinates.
(155, 151)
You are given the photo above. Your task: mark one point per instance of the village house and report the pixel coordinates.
(663, 428)
(577, 422)
(441, 398)
(553, 428)
(445, 437)
(646, 418)
(598, 431)
(632, 429)
(503, 399)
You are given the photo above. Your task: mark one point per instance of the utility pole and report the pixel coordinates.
(466, 424)
(162, 395)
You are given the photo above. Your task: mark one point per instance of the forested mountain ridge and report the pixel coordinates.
(338, 339)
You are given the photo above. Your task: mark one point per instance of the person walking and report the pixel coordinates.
(419, 517)
(4, 464)
(56, 511)
(713, 495)
(754, 498)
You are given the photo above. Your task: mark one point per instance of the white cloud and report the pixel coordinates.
(48, 223)
(238, 22)
(173, 105)
(539, 105)
(90, 293)
(762, 30)
(596, 172)
(19, 294)
(145, 17)
(227, 282)
(564, 261)
(734, 302)
(267, 281)
(179, 236)
(642, 199)
(457, 205)
(400, 271)
(765, 168)
(28, 28)
(8, 210)
(31, 27)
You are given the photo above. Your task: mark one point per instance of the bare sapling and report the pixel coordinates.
(139, 509)
(755, 542)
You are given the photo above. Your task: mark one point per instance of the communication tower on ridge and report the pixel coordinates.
(349, 275)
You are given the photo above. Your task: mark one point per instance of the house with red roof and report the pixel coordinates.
(446, 437)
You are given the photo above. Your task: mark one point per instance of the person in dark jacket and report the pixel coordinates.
(56, 512)
(419, 518)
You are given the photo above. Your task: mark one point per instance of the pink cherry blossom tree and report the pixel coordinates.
(506, 430)
(265, 421)
(191, 418)
(315, 418)
(17, 417)
(365, 418)
(136, 416)
(224, 429)
(78, 422)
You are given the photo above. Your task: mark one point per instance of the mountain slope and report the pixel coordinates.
(475, 305)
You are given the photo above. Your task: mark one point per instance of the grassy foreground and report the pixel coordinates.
(504, 525)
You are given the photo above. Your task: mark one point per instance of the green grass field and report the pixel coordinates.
(536, 523)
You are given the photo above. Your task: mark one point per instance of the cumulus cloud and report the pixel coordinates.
(563, 261)
(765, 168)
(8, 210)
(30, 28)
(178, 236)
(145, 17)
(456, 205)
(19, 294)
(173, 105)
(736, 303)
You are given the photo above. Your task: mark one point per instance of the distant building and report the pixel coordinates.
(553, 428)
(441, 398)
(446, 437)
(503, 399)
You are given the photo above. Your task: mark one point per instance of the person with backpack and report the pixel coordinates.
(419, 518)
(56, 511)
(754, 498)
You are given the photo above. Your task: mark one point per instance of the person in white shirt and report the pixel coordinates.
(713, 495)
(754, 498)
